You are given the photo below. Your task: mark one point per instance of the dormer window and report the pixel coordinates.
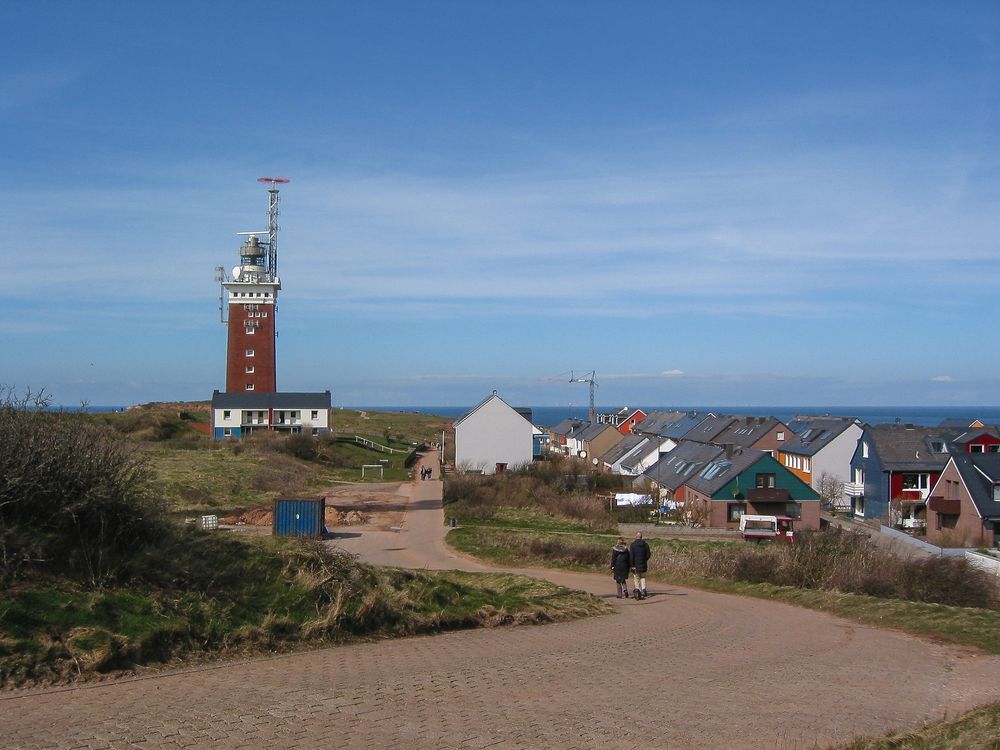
(996, 492)
(938, 447)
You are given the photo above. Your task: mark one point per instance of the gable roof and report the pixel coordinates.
(683, 462)
(906, 447)
(746, 431)
(273, 400)
(684, 424)
(709, 428)
(568, 426)
(972, 435)
(721, 470)
(980, 472)
(656, 421)
(624, 447)
(483, 403)
(813, 434)
(592, 431)
(631, 463)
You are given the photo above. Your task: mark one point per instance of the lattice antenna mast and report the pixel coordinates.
(272, 223)
(592, 379)
(220, 279)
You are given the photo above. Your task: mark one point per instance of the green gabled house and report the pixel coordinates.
(748, 481)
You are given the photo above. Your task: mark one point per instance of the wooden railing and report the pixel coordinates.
(376, 446)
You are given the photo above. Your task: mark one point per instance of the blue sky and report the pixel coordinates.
(723, 202)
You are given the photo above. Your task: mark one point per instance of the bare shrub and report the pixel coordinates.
(552, 487)
(837, 561)
(73, 496)
(947, 580)
(278, 473)
(301, 446)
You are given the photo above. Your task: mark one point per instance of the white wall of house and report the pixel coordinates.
(835, 458)
(318, 418)
(492, 433)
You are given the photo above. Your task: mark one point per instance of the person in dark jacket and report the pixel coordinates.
(639, 553)
(621, 562)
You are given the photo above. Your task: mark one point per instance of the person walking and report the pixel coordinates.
(620, 563)
(639, 554)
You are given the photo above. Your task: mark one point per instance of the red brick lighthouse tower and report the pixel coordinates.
(251, 297)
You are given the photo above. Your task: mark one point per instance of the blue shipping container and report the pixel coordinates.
(299, 516)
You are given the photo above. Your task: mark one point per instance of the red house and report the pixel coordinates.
(982, 440)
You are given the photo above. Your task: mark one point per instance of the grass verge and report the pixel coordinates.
(968, 626)
(976, 730)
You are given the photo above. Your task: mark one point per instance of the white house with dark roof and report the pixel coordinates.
(821, 450)
(493, 437)
(235, 415)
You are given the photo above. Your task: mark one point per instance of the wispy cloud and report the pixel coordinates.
(943, 379)
(20, 88)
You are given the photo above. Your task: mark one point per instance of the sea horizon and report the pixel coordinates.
(927, 416)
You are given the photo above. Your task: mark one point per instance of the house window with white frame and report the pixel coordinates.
(249, 369)
(249, 386)
(249, 352)
(916, 481)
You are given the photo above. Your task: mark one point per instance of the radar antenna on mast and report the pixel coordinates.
(272, 223)
(591, 378)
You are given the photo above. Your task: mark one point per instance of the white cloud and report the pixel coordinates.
(943, 379)
(672, 373)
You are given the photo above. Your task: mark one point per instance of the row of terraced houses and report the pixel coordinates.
(941, 483)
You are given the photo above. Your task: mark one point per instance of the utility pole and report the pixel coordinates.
(592, 379)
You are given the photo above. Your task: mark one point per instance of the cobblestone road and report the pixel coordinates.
(682, 669)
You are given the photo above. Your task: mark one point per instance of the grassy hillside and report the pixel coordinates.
(95, 577)
(194, 474)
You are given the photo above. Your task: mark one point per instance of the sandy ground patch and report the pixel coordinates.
(377, 506)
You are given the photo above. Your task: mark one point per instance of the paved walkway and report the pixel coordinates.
(682, 669)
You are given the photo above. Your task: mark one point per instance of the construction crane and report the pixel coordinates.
(591, 378)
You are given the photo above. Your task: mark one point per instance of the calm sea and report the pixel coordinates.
(547, 416)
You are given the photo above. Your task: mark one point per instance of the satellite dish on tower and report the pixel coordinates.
(237, 271)
(273, 180)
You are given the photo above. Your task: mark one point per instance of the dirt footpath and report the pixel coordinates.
(682, 669)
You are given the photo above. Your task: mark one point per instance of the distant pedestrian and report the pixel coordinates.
(639, 553)
(620, 564)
